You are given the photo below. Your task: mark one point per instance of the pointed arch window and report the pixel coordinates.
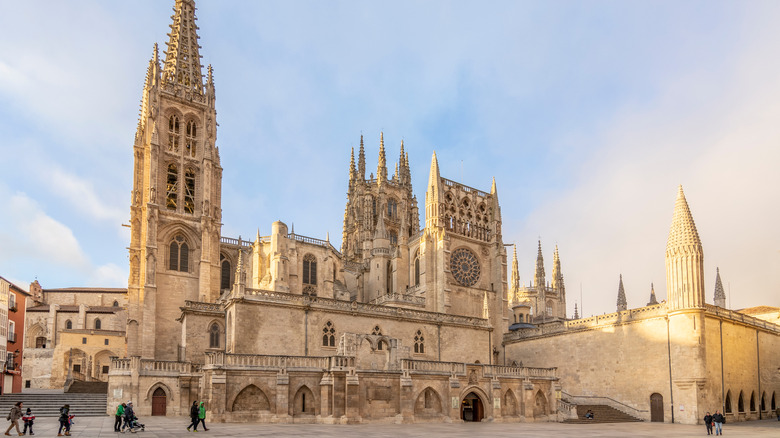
(753, 401)
(740, 403)
(419, 342)
(214, 335)
(329, 335)
(172, 187)
(68, 324)
(173, 133)
(389, 276)
(189, 191)
(191, 134)
(179, 254)
(116, 303)
(727, 407)
(392, 209)
(98, 324)
(393, 238)
(224, 282)
(417, 270)
(378, 332)
(309, 269)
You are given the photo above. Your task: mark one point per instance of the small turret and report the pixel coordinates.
(720, 294)
(622, 304)
(684, 259)
(653, 301)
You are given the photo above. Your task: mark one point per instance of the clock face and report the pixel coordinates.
(464, 266)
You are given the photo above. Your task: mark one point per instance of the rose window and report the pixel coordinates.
(464, 266)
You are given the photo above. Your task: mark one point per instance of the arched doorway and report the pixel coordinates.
(159, 402)
(471, 408)
(657, 407)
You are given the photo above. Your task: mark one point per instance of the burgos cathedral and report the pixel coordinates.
(408, 321)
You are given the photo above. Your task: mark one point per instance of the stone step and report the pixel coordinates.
(49, 404)
(601, 414)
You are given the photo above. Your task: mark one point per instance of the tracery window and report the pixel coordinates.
(389, 277)
(172, 187)
(393, 238)
(97, 324)
(191, 133)
(419, 342)
(309, 269)
(224, 281)
(68, 324)
(417, 270)
(378, 332)
(179, 254)
(464, 266)
(214, 335)
(40, 342)
(392, 208)
(328, 335)
(549, 308)
(189, 191)
(173, 133)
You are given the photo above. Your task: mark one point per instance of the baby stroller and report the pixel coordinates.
(135, 426)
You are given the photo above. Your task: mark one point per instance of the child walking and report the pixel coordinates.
(28, 418)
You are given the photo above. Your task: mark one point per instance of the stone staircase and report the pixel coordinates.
(48, 403)
(601, 414)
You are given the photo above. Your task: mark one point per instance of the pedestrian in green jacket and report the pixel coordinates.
(202, 416)
(120, 412)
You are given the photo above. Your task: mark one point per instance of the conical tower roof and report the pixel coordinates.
(683, 231)
(622, 304)
(720, 294)
(653, 299)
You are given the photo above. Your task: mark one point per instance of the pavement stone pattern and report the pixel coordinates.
(176, 426)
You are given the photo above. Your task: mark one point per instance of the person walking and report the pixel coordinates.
(777, 411)
(13, 417)
(202, 416)
(28, 419)
(129, 416)
(718, 419)
(64, 420)
(708, 423)
(120, 412)
(193, 416)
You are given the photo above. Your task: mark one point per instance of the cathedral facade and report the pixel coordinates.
(403, 323)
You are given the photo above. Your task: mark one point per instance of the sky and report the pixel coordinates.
(588, 114)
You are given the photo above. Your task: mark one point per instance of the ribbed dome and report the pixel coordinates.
(683, 231)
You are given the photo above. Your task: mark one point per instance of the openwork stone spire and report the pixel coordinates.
(576, 312)
(514, 285)
(539, 275)
(557, 277)
(684, 259)
(622, 304)
(653, 300)
(361, 161)
(352, 170)
(182, 60)
(720, 294)
(381, 167)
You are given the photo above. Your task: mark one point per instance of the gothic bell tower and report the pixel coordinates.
(176, 198)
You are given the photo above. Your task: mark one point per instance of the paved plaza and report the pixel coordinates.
(167, 427)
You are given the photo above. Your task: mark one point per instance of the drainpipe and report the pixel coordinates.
(722, 377)
(758, 370)
(306, 332)
(669, 349)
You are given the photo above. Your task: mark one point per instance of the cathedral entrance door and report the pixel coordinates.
(471, 408)
(657, 407)
(159, 402)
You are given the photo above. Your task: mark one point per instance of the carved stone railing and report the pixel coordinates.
(433, 367)
(465, 188)
(235, 242)
(149, 367)
(313, 241)
(276, 362)
(119, 366)
(598, 400)
(367, 309)
(399, 298)
(741, 317)
(208, 307)
(520, 372)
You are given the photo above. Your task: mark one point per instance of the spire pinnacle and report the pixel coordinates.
(622, 304)
(361, 161)
(381, 230)
(514, 285)
(433, 217)
(539, 276)
(720, 294)
(557, 276)
(182, 59)
(653, 300)
(352, 170)
(381, 168)
(576, 313)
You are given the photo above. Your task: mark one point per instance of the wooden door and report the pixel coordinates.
(159, 402)
(657, 407)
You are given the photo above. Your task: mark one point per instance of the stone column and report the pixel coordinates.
(217, 395)
(282, 396)
(496, 386)
(326, 396)
(454, 400)
(406, 396)
(352, 397)
(528, 399)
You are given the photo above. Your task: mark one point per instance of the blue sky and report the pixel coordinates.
(588, 114)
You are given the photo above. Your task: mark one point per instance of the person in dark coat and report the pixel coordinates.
(193, 416)
(718, 419)
(28, 419)
(129, 415)
(708, 423)
(64, 420)
(13, 417)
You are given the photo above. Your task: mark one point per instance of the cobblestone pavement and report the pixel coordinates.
(171, 426)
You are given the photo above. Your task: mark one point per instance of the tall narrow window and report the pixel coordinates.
(173, 134)
(389, 277)
(191, 133)
(419, 342)
(329, 335)
(214, 336)
(68, 324)
(97, 324)
(179, 254)
(393, 238)
(392, 208)
(172, 187)
(309, 269)
(417, 271)
(189, 191)
(224, 282)
(727, 407)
